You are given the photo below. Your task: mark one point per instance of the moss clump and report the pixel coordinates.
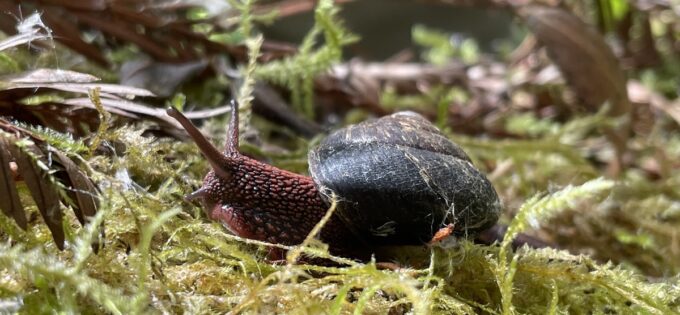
(160, 254)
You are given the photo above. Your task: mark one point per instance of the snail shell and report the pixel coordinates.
(399, 180)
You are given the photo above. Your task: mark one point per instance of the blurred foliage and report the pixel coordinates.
(298, 72)
(441, 47)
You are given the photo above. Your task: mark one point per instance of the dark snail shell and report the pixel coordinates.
(399, 180)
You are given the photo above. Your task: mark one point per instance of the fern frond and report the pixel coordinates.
(297, 72)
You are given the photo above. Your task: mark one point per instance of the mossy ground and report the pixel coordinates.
(160, 253)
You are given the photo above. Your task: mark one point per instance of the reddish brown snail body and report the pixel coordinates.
(398, 181)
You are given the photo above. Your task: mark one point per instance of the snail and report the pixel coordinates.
(398, 181)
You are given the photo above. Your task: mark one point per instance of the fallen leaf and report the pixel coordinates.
(44, 192)
(79, 187)
(587, 63)
(10, 204)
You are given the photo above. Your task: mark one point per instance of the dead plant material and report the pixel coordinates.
(581, 54)
(589, 66)
(75, 115)
(47, 173)
(160, 31)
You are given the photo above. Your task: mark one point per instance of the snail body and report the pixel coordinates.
(398, 180)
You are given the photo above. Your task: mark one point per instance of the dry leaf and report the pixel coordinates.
(68, 81)
(81, 191)
(34, 167)
(11, 204)
(44, 192)
(583, 57)
(589, 66)
(161, 78)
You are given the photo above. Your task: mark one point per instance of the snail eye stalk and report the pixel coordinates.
(216, 159)
(231, 147)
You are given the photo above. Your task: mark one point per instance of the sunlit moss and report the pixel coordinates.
(155, 257)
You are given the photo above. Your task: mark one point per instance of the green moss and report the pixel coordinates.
(158, 255)
(297, 72)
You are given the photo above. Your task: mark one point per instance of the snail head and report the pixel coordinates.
(222, 163)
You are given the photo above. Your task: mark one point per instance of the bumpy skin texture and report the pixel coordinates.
(265, 203)
(398, 179)
(258, 201)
